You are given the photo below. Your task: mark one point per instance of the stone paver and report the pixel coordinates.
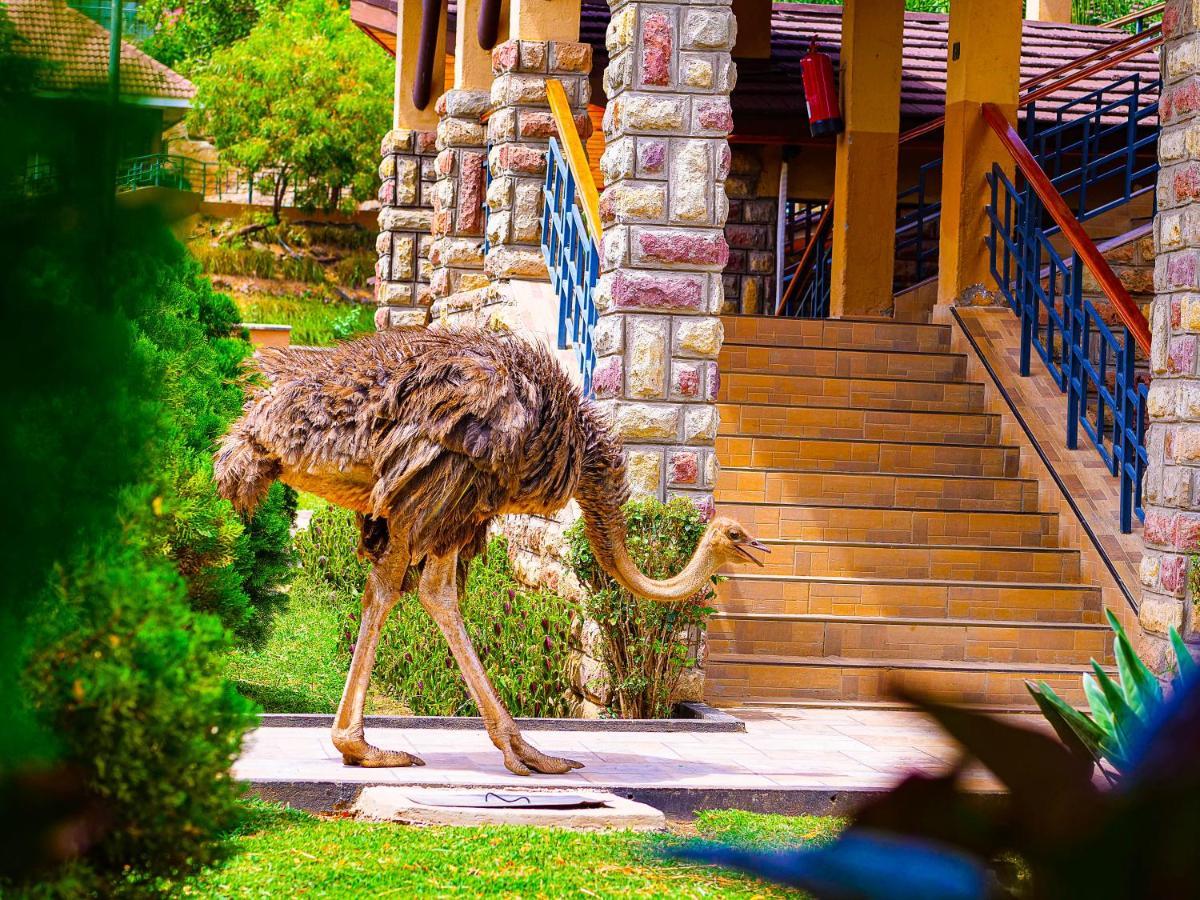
(842, 749)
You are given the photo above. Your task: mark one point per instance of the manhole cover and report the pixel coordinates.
(507, 800)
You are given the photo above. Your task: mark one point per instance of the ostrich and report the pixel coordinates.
(428, 436)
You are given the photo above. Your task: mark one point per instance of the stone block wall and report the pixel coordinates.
(664, 210)
(750, 232)
(1133, 263)
(456, 257)
(518, 133)
(1171, 490)
(402, 271)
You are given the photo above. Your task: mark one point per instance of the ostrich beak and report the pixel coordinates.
(756, 545)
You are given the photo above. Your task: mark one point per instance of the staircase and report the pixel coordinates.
(906, 549)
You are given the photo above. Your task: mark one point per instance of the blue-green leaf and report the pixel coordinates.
(1127, 726)
(1185, 667)
(1080, 734)
(1141, 688)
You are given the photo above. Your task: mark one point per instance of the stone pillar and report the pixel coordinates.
(457, 254)
(405, 215)
(1171, 490)
(664, 210)
(749, 281)
(518, 133)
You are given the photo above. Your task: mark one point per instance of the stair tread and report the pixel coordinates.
(768, 504)
(826, 473)
(901, 545)
(852, 408)
(911, 620)
(857, 440)
(881, 378)
(890, 351)
(931, 582)
(854, 662)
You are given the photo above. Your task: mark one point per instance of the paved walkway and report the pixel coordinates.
(808, 750)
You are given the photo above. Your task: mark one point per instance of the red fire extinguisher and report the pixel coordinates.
(820, 92)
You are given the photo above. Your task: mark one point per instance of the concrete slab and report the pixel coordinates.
(417, 806)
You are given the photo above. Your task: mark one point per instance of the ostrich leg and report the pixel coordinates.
(439, 596)
(382, 592)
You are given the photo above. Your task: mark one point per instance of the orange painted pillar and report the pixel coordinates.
(864, 193)
(983, 65)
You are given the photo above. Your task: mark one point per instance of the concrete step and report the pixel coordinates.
(913, 561)
(842, 455)
(844, 363)
(760, 679)
(879, 490)
(928, 598)
(958, 640)
(859, 423)
(876, 334)
(877, 393)
(802, 521)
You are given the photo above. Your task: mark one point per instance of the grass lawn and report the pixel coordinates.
(299, 669)
(283, 853)
(315, 323)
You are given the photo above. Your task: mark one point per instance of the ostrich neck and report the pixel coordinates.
(694, 577)
(601, 492)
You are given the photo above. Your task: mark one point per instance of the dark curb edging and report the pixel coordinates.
(691, 717)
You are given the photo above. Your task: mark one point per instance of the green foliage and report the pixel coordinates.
(1120, 710)
(747, 829)
(314, 112)
(1098, 12)
(186, 35)
(130, 679)
(647, 645)
(233, 570)
(284, 852)
(520, 635)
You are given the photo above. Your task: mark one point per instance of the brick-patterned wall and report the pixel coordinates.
(402, 270)
(750, 233)
(664, 210)
(518, 132)
(1171, 491)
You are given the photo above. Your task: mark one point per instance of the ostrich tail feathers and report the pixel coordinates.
(243, 471)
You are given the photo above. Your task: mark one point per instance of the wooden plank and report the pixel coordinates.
(585, 186)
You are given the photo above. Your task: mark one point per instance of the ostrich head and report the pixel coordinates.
(728, 542)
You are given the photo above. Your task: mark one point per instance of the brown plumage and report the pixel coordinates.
(429, 435)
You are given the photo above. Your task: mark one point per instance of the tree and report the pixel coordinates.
(304, 99)
(187, 34)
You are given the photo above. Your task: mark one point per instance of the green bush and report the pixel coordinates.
(315, 322)
(520, 635)
(647, 645)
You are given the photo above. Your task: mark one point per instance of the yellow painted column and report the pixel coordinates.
(983, 66)
(864, 190)
(1048, 10)
(473, 64)
(408, 38)
(544, 20)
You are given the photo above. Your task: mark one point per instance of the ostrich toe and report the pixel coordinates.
(369, 757)
(522, 758)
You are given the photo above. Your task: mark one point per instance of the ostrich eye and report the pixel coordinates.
(735, 534)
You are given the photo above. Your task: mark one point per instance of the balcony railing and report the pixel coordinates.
(571, 236)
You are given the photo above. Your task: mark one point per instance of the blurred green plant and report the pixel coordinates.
(315, 322)
(248, 262)
(647, 646)
(1120, 710)
(521, 636)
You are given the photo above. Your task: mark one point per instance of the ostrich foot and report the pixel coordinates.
(521, 758)
(360, 753)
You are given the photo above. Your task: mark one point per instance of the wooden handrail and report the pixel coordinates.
(818, 237)
(1134, 15)
(1126, 309)
(585, 185)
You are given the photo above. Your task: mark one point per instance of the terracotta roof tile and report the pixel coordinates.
(78, 49)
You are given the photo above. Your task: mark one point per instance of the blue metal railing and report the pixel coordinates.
(918, 219)
(1093, 364)
(573, 260)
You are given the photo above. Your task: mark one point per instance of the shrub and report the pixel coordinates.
(520, 635)
(647, 645)
(315, 322)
